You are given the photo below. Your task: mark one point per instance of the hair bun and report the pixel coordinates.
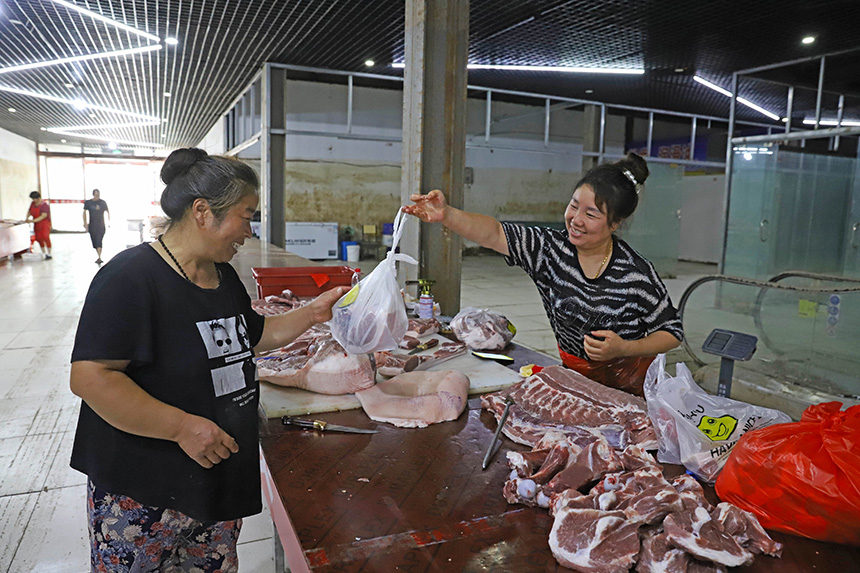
(636, 166)
(179, 161)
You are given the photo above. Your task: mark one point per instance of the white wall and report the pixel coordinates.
(213, 143)
(18, 174)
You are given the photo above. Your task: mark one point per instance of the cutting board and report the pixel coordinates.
(484, 376)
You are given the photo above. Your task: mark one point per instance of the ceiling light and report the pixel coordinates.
(727, 93)
(79, 103)
(808, 40)
(564, 69)
(833, 122)
(680, 70)
(111, 145)
(62, 141)
(369, 63)
(102, 126)
(70, 86)
(12, 110)
(171, 41)
(105, 139)
(589, 91)
(92, 115)
(96, 56)
(166, 94)
(101, 18)
(76, 102)
(44, 128)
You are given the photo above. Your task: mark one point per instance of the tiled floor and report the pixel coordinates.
(42, 520)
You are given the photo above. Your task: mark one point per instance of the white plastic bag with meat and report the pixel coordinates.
(372, 316)
(694, 428)
(482, 329)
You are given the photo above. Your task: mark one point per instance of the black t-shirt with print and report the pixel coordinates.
(191, 348)
(97, 209)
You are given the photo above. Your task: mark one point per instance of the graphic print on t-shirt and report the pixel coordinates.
(228, 346)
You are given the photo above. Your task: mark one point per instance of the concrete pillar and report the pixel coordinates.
(273, 155)
(434, 135)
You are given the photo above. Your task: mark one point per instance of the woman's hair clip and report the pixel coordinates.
(632, 179)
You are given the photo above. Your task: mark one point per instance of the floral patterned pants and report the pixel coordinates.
(128, 536)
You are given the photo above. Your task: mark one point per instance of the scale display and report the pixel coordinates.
(730, 344)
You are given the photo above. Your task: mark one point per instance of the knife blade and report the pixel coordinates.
(323, 426)
(424, 346)
(508, 403)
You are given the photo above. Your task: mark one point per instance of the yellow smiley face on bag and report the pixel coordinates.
(717, 429)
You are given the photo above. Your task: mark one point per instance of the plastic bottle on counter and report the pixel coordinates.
(425, 306)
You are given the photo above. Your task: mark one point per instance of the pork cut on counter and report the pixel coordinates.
(316, 362)
(594, 541)
(417, 399)
(560, 399)
(482, 329)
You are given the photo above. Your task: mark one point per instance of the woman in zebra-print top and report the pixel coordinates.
(610, 312)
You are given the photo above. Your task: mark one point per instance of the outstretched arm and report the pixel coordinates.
(482, 229)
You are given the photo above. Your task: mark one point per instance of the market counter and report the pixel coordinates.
(14, 238)
(417, 500)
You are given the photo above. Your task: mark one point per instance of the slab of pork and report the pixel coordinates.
(658, 556)
(594, 541)
(417, 399)
(563, 400)
(745, 527)
(696, 533)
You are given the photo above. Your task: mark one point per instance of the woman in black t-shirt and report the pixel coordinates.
(610, 312)
(163, 360)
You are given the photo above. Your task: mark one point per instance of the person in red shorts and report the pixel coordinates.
(40, 215)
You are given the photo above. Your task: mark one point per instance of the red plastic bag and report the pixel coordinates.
(801, 478)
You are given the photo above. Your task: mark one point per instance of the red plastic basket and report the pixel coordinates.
(302, 281)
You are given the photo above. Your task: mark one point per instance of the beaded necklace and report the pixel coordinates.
(178, 266)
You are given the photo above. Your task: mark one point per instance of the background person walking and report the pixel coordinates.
(40, 215)
(97, 208)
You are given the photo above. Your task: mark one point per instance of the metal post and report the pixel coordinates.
(273, 155)
(693, 140)
(650, 132)
(349, 104)
(546, 125)
(729, 162)
(601, 147)
(839, 111)
(789, 109)
(489, 116)
(819, 93)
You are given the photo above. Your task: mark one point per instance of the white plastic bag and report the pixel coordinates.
(371, 316)
(482, 329)
(694, 428)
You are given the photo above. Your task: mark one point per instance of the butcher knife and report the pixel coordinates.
(508, 403)
(424, 346)
(323, 426)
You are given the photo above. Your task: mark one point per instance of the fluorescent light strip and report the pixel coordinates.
(727, 93)
(104, 126)
(106, 20)
(563, 69)
(76, 104)
(105, 139)
(97, 56)
(833, 122)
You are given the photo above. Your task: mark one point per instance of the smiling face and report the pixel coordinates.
(717, 428)
(228, 234)
(587, 225)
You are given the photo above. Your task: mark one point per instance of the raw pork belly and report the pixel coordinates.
(563, 400)
(417, 399)
(419, 327)
(482, 329)
(594, 541)
(316, 362)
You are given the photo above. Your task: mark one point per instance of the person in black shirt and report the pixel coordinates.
(610, 312)
(163, 360)
(96, 208)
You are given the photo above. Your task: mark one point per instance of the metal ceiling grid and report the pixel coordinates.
(222, 44)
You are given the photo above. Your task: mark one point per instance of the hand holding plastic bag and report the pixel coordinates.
(371, 316)
(801, 478)
(694, 428)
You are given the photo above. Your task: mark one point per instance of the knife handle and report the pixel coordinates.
(313, 424)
